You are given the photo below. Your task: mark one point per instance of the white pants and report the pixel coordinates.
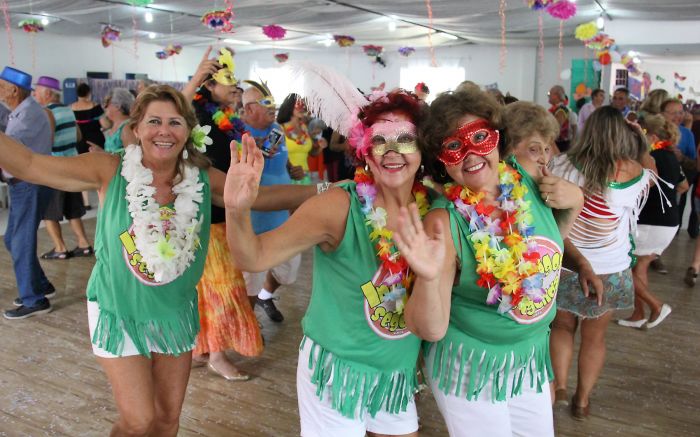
(285, 274)
(526, 415)
(319, 419)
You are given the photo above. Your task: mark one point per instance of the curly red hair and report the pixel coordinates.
(399, 100)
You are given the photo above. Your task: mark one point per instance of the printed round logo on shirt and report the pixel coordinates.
(384, 308)
(529, 312)
(132, 257)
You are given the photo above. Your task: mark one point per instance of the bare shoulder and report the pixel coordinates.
(628, 170)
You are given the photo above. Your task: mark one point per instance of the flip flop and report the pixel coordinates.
(82, 251)
(52, 254)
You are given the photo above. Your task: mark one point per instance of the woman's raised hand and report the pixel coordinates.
(558, 193)
(424, 255)
(206, 68)
(244, 173)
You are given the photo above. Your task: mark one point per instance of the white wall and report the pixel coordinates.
(62, 57)
(666, 69)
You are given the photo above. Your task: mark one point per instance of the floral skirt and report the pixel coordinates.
(227, 320)
(619, 294)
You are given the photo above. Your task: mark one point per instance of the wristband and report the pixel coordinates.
(322, 186)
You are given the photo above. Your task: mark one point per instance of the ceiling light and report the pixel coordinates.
(600, 22)
(45, 21)
(636, 60)
(237, 41)
(148, 16)
(327, 42)
(392, 26)
(151, 35)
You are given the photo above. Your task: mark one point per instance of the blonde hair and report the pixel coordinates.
(657, 124)
(652, 103)
(525, 119)
(166, 93)
(606, 139)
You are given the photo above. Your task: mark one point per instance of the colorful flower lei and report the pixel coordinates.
(398, 278)
(665, 144)
(226, 119)
(505, 252)
(299, 138)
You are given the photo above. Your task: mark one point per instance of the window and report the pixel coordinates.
(438, 79)
(621, 76)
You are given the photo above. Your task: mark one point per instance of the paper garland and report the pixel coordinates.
(219, 20)
(406, 51)
(372, 50)
(344, 40)
(282, 57)
(110, 34)
(274, 31)
(170, 50)
(31, 26)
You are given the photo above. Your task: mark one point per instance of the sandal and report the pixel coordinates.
(52, 254)
(82, 251)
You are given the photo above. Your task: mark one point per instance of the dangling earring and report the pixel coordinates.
(185, 155)
(366, 167)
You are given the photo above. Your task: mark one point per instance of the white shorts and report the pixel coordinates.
(653, 240)
(129, 349)
(319, 419)
(285, 274)
(526, 415)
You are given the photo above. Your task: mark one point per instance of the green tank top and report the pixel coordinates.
(162, 314)
(113, 143)
(365, 348)
(493, 344)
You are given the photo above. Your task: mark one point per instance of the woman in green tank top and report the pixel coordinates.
(357, 361)
(151, 241)
(487, 269)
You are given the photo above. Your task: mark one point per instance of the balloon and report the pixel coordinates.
(565, 74)
(604, 58)
(615, 56)
(597, 66)
(581, 88)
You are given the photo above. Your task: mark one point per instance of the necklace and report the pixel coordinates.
(665, 144)
(395, 273)
(226, 119)
(167, 252)
(299, 136)
(505, 252)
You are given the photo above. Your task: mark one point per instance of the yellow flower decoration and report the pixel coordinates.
(165, 250)
(381, 233)
(586, 31)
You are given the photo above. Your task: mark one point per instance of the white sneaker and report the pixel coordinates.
(665, 311)
(632, 323)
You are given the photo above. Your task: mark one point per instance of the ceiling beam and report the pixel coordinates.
(403, 20)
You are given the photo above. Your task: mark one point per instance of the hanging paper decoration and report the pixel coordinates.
(31, 26)
(344, 40)
(678, 87)
(140, 2)
(604, 58)
(274, 31)
(538, 4)
(629, 63)
(679, 77)
(110, 34)
(8, 29)
(562, 9)
(586, 31)
(660, 79)
(406, 51)
(161, 54)
(429, 6)
(372, 50)
(173, 49)
(646, 81)
(282, 57)
(503, 52)
(220, 21)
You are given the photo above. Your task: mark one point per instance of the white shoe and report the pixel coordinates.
(632, 323)
(665, 311)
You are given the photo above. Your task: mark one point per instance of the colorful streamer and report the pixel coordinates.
(560, 60)
(8, 25)
(504, 50)
(429, 6)
(540, 51)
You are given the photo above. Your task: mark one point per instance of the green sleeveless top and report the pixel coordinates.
(367, 355)
(162, 314)
(113, 143)
(492, 344)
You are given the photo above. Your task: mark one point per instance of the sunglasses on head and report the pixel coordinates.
(476, 137)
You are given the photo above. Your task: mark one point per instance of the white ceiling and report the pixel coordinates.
(310, 21)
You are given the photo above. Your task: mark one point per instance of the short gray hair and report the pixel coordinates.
(121, 98)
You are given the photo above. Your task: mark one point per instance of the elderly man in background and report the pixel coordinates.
(557, 98)
(621, 101)
(29, 124)
(66, 136)
(259, 118)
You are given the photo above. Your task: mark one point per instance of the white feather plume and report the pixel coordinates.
(329, 95)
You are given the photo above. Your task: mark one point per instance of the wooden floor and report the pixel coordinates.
(50, 383)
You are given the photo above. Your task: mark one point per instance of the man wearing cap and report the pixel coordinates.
(63, 204)
(259, 118)
(28, 124)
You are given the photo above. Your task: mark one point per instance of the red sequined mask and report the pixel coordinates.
(475, 137)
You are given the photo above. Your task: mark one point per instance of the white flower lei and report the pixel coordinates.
(166, 256)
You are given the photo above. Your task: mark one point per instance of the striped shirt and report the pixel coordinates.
(65, 137)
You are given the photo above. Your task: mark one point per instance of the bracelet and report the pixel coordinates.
(322, 186)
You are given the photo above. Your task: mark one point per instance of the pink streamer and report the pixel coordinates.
(8, 27)
(561, 46)
(585, 65)
(428, 5)
(504, 49)
(33, 54)
(540, 54)
(136, 35)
